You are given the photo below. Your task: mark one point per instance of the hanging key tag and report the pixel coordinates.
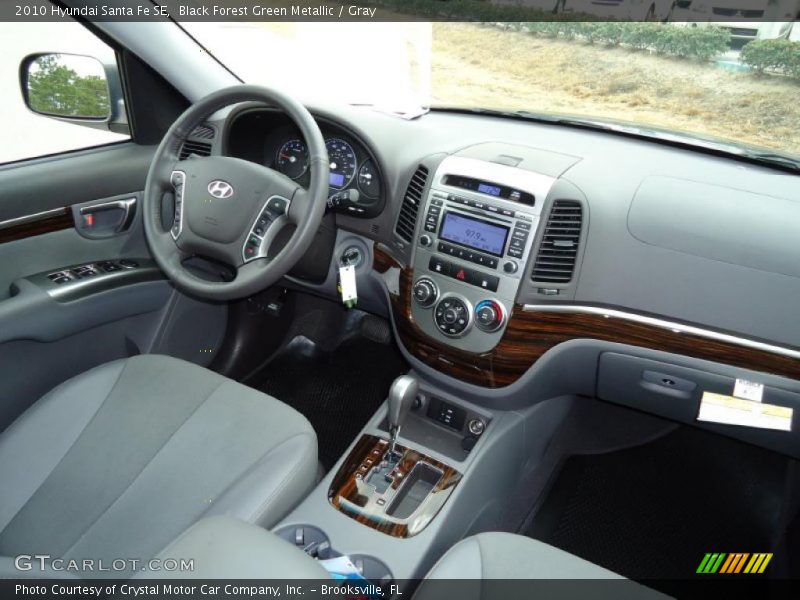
(347, 285)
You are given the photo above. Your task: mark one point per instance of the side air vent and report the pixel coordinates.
(555, 262)
(203, 132)
(407, 219)
(194, 147)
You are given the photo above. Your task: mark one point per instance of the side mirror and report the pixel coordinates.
(74, 88)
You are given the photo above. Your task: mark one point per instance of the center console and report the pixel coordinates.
(397, 491)
(479, 222)
(395, 502)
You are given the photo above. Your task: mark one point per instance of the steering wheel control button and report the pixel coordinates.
(177, 178)
(251, 248)
(277, 205)
(425, 292)
(452, 316)
(261, 225)
(489, 315)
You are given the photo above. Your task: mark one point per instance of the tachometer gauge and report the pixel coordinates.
(368, 183)
(343, 163)
(292, 159)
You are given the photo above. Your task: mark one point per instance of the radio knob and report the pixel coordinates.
(426, 241)
(425, 292)
(510, 266)
(489, 315)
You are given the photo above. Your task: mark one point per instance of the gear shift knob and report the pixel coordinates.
(401, 398)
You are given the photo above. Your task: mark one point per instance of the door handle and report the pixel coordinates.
(106, 218)
(127, 206)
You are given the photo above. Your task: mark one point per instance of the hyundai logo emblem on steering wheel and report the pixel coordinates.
(220, 189)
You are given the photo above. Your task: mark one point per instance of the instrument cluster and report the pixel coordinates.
(354, 184)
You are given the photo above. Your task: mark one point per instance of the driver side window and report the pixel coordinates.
(67, 79)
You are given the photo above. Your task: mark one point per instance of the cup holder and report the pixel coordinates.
(314, 542)
(310, 540)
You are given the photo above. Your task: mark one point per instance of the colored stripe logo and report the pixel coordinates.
(737, 562)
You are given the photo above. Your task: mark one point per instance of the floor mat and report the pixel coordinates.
(653, 511)
(337, 390)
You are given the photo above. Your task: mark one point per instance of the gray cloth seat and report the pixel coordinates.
(505, 557)
(118, 461)
(497, 555)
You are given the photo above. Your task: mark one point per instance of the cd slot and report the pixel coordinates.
(480, 213)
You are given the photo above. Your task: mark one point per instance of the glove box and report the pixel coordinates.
(673, 391)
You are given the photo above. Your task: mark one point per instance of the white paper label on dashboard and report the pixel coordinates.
(718, 408)
(749, 390)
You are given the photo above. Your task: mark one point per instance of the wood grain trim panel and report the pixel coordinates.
(55, 220)
(348, 485)
(382, 261)
(531, 333)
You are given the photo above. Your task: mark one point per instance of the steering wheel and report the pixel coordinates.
(229, 209)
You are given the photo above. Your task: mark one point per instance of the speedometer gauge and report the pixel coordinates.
(343, 162)
(292, 159)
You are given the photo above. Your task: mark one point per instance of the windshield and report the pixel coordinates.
(734, 82)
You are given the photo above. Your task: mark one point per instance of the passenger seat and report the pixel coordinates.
(498, 555)
(506, 557)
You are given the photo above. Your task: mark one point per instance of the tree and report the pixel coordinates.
(55, 88)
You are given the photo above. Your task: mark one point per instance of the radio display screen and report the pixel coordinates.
(474, 233)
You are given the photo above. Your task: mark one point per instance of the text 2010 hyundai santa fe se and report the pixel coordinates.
(446, 309)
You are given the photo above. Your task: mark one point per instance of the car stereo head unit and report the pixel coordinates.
(480, 219)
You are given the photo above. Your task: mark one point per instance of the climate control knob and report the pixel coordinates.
(452, 316)
(425, 292)
(489, 315)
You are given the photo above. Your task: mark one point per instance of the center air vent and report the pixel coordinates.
(555, 262)
(407, 219)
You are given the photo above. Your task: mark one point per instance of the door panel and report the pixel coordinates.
(61, 181)
(42, 250)
(51, 329)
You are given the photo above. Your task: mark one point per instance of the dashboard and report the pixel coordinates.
(502, 243)
(271, 139)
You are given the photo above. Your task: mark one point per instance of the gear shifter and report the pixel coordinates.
(401, 398)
